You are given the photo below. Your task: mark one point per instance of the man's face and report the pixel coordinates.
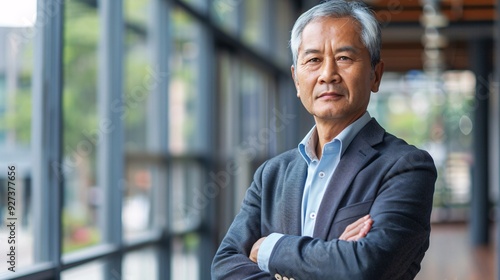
(333, 75)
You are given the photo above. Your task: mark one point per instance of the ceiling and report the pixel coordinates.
(402, 48)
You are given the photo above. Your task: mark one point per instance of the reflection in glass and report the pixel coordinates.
(81, 133)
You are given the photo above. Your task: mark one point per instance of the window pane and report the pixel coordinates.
(140, 81)
(185, 264)
(137, 207)
(226, 14)
(255, 23)
(16, 70)
(80, 128)
(190, 197)
(284, 23)
(254, 108)
(184, 90)
(93, 270)
(138, 77)
(142, 264)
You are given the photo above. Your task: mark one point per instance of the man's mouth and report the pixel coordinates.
(330, 95)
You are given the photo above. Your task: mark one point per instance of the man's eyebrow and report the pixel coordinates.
(347, 49)
(309, 51)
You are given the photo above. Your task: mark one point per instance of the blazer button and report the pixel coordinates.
(277, 276)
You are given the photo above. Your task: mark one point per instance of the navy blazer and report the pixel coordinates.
(378, 174)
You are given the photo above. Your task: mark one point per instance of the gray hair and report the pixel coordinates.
(370, 28)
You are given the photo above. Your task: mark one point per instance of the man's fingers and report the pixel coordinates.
(358, 229)
(363, 231)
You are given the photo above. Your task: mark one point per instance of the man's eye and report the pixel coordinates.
(344, 58)
(314, 59)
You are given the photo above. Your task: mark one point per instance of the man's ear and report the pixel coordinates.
(295, 80)
(377, 76)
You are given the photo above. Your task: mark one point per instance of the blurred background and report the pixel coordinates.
(135, 127)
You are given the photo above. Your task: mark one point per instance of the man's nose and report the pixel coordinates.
(329, 73)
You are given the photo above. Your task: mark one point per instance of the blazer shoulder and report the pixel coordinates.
(281, 161)
(390, 145)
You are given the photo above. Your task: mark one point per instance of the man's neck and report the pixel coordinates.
(327, 130)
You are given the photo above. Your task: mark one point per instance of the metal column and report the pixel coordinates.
(110, 163)
(47, 134)
(480, 51)
(158, 126)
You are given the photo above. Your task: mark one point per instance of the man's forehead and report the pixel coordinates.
(317, 30)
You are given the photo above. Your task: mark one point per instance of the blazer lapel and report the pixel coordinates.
(357, 155)
(295, 179)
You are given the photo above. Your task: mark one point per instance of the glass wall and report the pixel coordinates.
(81, 131)
(184, 93)
(16, 190)
(140, 81)
(204, 97)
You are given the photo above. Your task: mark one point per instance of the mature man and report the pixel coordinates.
(301, 202)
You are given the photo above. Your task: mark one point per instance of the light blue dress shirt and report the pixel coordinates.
(319, 173)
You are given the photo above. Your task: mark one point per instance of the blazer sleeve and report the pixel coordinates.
(394, 246)
(231, 260)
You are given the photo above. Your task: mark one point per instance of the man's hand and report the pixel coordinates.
(353, 232)
(357, 230)
(255, 249)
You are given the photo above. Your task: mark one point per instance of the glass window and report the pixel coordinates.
(16, 71)
(92, 270)
(140, 80)
(141, 264)
(185, 94)
(256, 24)
(228, 116)
(137, 214)
(190, 195)
(284, 22)
(254, 108)
(80, 128)
(185, 261)
(139, 76)
(227, 14)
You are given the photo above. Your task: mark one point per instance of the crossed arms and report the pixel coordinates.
(393, 248)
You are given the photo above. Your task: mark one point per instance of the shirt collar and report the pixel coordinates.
(307, 145)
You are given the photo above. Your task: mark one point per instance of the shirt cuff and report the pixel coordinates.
(265, 250)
